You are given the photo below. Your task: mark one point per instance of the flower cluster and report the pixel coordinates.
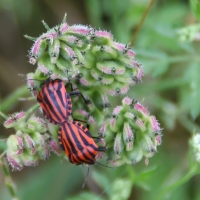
(189, 33)
(30, 143)
(100, 68)
(130, 133)
(89, 58)
(195, 143)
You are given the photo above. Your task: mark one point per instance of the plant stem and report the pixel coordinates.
(32, 109)
(8, 181)
(141, 22)
(193, 171)
(188, 124)
(13, 98)
(3, 115)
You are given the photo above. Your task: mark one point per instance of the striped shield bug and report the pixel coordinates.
(55, 101)
(78, 143)
(74, 138)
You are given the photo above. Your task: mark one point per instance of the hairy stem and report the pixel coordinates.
(32, 109)
(192, 172)
(189, 124)
(12, 99)
(8, 181)
(3, 115)
(141, 22)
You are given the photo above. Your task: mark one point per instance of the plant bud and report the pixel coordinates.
(15, 119)
(54, 146)
(14, 161)
(15, 144)
(28, 141)
(29, 160)
(43, 152)
(129, 135)
(38, 123)
(102, 37)
(118, 144)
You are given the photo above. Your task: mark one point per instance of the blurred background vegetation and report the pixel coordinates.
(170, 90)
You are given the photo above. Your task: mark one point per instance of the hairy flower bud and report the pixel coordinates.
(14, 161)
(55, 147)
(14, 119)
(38, 123)
(129, 133)
(29, 144)
(89, 58)
(15, 144)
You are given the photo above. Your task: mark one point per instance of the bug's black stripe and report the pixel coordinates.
(73, 158)
(85, 153)
(85, 131)
(60, 83)
(55, 98)
(47, 113)
(77, 160)
(68, 105)
(54, 101)
(89, 151)
(69, 102)
(78, 144)
(76, 141)
(68, 138)
(47, 102)
(88, 144)
(92, 146)
(66, 145)
(83, 139)
(59, 92)
(41, 101)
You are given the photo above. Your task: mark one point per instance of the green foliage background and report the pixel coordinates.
(170, 90)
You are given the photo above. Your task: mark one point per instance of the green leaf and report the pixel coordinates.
(195, 6)
(121, 189)
(2, 145)
(102, 181)
(85, 196)
(154, 62)
(192, 94)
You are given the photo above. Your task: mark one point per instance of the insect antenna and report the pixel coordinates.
(105, 165)
(86, 177)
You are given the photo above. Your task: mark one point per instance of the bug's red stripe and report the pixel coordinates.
(90, 148)
(48, 106)
(66, 148)
(59, 93)
(72, 157)
(43, 105)
(72, 133)
(55, 99)
(85, 153)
